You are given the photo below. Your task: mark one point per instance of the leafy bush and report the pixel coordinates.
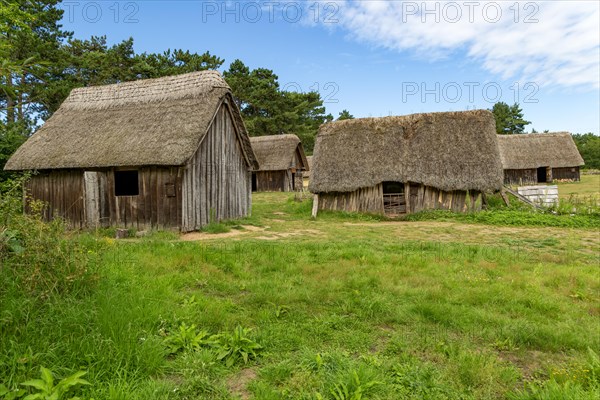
(354, 388)
(45, 389)
(237, 346)
(229, 348)
(187, 338)
(39, 256)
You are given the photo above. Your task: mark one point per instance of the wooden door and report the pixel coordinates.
(92, 198)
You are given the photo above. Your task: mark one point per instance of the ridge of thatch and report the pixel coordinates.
(146, 122)
(534, 150)
(445, 150)
(276, 152)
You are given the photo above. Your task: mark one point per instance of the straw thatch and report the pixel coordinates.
(277, 152)
(527, 151)
(448, 151)
(309, 159)
(147, 122)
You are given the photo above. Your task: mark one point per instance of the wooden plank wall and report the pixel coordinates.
(272, 181)
(520, 176)
(571, 173)
(369, 200)
(62, 193)
(217, 182)
(158, 204)
(418, 198)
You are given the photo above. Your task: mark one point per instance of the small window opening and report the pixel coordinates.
(126, 183)
(170, 190)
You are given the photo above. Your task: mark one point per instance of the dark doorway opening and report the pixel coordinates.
(126, 183)
(254, 182)
(394, 199)
(541, 174)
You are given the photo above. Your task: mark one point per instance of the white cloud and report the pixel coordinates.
(561, 49)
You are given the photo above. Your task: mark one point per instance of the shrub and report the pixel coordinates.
(39, 256)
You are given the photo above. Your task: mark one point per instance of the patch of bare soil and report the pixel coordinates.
(238, 384)
(195, 236)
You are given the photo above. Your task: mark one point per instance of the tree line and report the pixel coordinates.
(40, 63)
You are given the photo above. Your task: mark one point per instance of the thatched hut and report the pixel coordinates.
(306, 174)
(397, 165)
(282, 162)
(171, 152)
(539, 158)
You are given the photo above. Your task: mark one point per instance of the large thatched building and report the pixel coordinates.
(398, 165)
(282, 162)
(168, 153)
(539, 158)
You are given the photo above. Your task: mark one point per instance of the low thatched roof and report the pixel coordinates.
(309, 159)
(534, 150)
(147, 122)
(277, 152)
(447, 150)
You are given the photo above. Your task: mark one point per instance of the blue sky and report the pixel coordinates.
(378, 58)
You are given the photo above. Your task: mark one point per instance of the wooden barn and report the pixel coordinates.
(282, 162)
(171, 152)
(539, 158)
(399, 165)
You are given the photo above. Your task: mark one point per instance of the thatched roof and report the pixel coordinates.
(309, 159)
(447, 150)
(147, 122)
(534, 150)
(276, 152)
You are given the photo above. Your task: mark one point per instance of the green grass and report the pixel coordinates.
(588, 186)
(341, 305)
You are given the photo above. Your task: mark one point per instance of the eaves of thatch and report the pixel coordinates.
(534, 150)
(147, 122)
(446, 150)
(277, 152)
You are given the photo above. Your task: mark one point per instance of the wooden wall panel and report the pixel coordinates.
(62, 192)
(272, 181)
(418, 198)
(216, 184)
(150, 208)
(571, 173)
(520, 176)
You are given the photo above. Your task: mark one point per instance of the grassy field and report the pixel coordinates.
(344, 307)
(588, 186)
